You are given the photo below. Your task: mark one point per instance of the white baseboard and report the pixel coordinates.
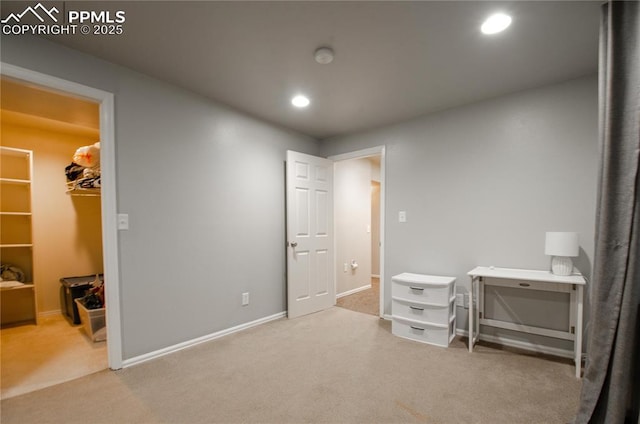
(46, 314)
(387, 317)
(189, 343)
(347, 293)
(532, 347)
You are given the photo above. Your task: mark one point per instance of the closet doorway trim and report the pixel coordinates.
(108, 192)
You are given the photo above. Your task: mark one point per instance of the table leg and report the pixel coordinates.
(471, 327)
(578, 339)
(479, 304)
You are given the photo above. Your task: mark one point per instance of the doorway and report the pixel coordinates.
(92, 212)
(359, 212)
(61, 236)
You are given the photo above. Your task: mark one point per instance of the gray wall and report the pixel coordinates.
(482, 184)
(352, 211)
(204, 189)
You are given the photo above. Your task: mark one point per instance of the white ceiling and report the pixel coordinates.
(393, 60)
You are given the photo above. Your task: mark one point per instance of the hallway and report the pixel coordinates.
(366, 301)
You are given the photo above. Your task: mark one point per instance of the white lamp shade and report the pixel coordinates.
(561, 244)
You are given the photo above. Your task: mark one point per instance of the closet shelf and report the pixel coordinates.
(74, 190)
(18, 299)
(14, 181)
(22, 286)
(84, 192)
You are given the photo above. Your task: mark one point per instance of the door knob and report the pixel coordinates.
(294, 244)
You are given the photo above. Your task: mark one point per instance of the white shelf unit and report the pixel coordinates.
(18, 301)
(423, 308)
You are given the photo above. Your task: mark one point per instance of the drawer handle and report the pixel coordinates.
(417, 328)
(524, 284)
(415, 308)
(416, 288)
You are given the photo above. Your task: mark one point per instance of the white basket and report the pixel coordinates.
(93, 321)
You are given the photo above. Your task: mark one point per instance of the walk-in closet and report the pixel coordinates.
(53, 310)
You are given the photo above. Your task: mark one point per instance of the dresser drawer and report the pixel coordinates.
(423, 288)
(439, 335)
(423, 312)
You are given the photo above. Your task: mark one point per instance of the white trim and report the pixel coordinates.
(358, 154)
(51, 313)
(353, 291)
(373, 151)
(531, 347)
(383, 190)
(388, 317)
(108, 191)
(110, 231)
(199, 340)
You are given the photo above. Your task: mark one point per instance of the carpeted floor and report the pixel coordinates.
(335, 366)
(366, 301)
(43, 355)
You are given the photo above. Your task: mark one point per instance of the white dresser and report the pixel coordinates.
(423, 308)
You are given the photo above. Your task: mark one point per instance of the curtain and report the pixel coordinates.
(610, 389)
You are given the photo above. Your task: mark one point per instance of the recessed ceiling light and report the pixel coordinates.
(300, 101)
(496, 23)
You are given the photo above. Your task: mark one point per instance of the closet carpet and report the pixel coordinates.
(52, 352)
(366, 301)
(335, 366)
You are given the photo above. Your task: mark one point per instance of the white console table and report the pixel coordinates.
(528, 280)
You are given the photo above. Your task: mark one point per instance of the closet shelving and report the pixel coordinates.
(16, 244)
(75, 191)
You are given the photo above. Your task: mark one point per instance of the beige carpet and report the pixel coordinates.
(335, 366)
(52, 352)
(366, 301)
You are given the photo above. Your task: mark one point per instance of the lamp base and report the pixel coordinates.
(561, 265)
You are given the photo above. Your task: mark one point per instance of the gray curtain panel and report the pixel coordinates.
(611, 384)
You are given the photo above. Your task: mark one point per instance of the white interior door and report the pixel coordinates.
(310, 276)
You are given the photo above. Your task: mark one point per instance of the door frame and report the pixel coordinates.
(361, 154)
(108, 193)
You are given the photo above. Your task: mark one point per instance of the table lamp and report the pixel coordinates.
(561, 246)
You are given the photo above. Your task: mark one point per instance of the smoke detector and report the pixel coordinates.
(323, 55)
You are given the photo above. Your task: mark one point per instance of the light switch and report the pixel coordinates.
(402, 216)
(123, 221)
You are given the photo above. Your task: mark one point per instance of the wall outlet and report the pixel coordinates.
(402, 216)
(460, 299)
(346, 267)
(245, 299)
